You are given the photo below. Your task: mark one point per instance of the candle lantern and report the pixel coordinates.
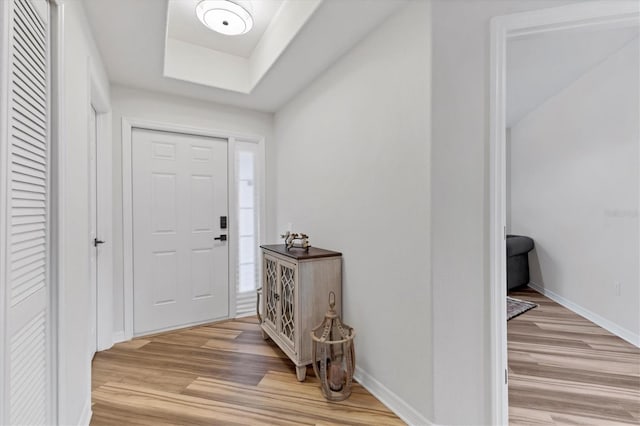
(333, 354)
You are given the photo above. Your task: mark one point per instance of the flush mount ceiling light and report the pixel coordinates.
(224, 17)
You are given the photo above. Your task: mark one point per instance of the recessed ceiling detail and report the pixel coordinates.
(210, 59)
(161, 46)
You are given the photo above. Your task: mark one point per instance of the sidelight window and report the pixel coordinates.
(248, 214)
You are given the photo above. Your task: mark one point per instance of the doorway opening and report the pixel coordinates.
(100, 238)
(94, 241)
(503, 30)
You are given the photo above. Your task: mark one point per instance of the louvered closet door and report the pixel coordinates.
(27, 379)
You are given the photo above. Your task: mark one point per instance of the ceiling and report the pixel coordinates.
(304, 42)
(540, 65)
(184, 25)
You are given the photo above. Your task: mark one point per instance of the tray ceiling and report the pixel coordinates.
(299, 40)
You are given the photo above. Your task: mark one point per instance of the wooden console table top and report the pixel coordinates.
(300, 253)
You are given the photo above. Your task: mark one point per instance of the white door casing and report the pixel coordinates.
(26, 333)
(179, 188)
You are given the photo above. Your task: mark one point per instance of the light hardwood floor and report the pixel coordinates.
(217, 374)
(565, 370)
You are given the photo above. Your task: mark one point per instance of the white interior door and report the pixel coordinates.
(26, 338)
(180, 269)
(93, 237)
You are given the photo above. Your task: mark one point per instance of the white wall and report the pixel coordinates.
(574, 180)
(353, 153)
(80, 59)
(460, 205)
(132, 103)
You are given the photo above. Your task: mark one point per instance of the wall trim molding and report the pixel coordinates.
(396, 404)
(58, 212)
(608, 325)
(245, 315)
(85, 416)
(5, 25)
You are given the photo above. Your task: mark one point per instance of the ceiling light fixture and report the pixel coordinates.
(224, 17)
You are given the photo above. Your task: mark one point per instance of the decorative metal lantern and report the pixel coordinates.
(334, 359)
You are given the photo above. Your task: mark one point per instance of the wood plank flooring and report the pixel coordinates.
(216, 374)
(565, 370)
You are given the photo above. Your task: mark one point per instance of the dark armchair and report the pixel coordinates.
(518, 248)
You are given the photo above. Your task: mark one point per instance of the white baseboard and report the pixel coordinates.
(403, 410)
(246, 314)
(85, 417)
(118, 337)
(611, 327)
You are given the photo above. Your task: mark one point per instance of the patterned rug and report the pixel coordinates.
(516, 307)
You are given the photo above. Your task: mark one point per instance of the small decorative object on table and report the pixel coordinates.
(334, 359)
(293, 239)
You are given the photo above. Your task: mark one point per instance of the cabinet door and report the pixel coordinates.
(270, 292)
(287, 326)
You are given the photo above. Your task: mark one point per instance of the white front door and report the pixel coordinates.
(180, 263)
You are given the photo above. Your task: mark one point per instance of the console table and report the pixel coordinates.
(296, 286)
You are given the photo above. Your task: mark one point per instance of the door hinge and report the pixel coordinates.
(504, 232)
(506, 376)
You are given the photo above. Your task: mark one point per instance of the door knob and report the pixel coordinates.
(222, 237)
(97, 242)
